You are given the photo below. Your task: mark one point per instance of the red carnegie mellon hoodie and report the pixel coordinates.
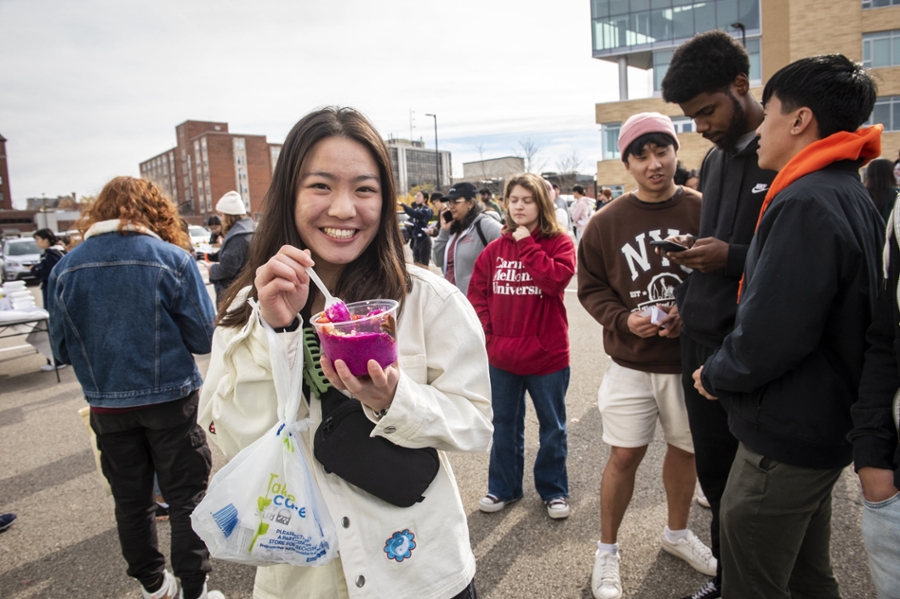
(517, 290)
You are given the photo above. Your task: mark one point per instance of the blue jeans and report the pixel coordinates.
(548, 393)
(881, 533)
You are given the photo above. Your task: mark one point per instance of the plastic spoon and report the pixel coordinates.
(335, 308)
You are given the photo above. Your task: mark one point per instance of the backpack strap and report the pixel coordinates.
(480, 232)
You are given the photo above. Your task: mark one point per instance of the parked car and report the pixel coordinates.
(198, 235)
(18, 256)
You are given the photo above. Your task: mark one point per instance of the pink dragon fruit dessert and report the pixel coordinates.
(367, 332)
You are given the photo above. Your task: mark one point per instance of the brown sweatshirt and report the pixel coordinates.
(619, 272)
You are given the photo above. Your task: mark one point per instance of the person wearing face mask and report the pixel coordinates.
(465, 232)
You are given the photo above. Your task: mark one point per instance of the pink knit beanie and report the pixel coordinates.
(643, 123)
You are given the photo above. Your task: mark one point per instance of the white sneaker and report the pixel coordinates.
(49, 367)
(693, 551)
(700, 496)
(558, 508)
(168, 590)
(489, 503)
(605, 581)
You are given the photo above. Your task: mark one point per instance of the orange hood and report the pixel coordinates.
(863, 144)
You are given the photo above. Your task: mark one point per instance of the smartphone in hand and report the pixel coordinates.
(667, 246)
(448, 217)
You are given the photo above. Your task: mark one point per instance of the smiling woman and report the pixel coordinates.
(306, 179)
(332, 205)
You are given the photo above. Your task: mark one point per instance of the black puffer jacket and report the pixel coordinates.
(789, 372)
(875, 435)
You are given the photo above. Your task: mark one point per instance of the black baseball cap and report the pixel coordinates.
(462, 190)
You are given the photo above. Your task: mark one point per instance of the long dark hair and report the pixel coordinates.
(880, 182)
(47, 235)
(379, 272)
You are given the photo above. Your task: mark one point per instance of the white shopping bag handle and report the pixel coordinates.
(288, 381)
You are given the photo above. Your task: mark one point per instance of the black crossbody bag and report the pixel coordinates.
(343, 445)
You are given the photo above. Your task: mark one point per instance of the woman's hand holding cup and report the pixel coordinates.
(376, 390)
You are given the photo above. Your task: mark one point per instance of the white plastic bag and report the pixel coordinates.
(264, 507)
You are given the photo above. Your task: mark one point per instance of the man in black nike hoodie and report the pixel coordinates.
(789, 372)
(709, 78)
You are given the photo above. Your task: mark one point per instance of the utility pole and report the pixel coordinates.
(437, 156)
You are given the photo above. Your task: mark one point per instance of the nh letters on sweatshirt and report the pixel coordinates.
(619, 272)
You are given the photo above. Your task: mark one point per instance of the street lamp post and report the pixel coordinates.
(743, 33)
(437, 156)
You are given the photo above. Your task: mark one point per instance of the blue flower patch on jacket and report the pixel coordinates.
(400, 546)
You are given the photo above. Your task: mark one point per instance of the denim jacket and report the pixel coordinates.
(127, 311)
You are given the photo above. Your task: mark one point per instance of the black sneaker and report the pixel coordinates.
(162, 512)
(6, 520)
(710, 590)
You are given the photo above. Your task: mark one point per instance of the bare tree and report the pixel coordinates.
(567, 167)
(528, 151)
(488, 172)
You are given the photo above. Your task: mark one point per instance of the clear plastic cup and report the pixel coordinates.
(370, 335)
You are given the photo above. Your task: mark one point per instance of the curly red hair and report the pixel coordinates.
(137, 202)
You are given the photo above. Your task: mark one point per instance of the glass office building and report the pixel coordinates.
(646, 32)
(631, 25)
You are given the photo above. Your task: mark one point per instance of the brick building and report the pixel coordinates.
(644, 34)
(5, 196)
(208, 162)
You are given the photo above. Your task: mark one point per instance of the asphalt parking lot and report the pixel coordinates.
(64, 544)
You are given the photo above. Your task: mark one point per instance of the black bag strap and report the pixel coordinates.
(480, 232)
(343, 443)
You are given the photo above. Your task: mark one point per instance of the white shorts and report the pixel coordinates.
(630, 403)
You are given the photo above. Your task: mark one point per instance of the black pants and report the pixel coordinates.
(167, 440)
(714, 445)
(468, 592)
(421, 249)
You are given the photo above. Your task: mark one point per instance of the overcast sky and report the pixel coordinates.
(89, 89)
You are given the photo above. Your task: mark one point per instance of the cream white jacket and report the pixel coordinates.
(442, 401)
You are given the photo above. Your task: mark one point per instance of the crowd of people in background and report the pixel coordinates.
(749, 306)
